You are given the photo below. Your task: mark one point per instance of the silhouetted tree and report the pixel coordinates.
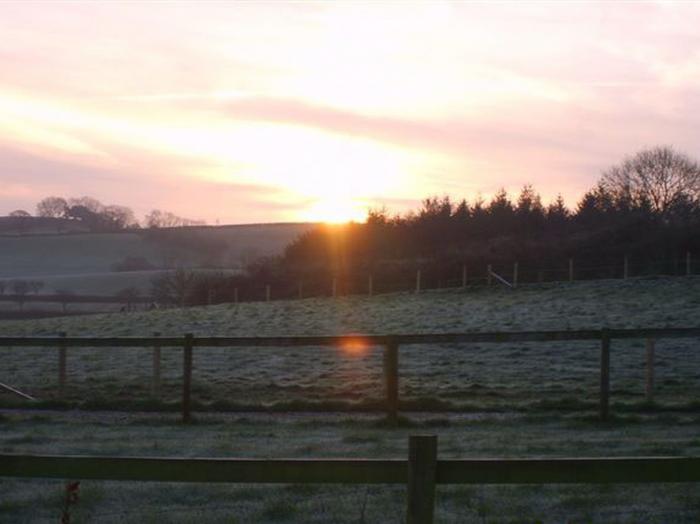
(173, 287)
(158, 219)
(52, 207)
(35, 286)
(64, 296)
(658, 177)
(128, 296)
(20, 288)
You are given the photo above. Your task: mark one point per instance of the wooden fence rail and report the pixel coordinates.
(420, 473)
(391, 344)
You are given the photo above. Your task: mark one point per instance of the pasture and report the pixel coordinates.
(507, 400)
(307, 435)
(434, 377)
(84, 262)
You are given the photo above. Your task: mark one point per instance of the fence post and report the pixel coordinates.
(391, 380)
(235, 295)
(571, 270)
(267, 293)
(187, 379)
(649, 390)
(688, 271)
(488, 274)
(422, 469)
(370, 286)
(418, 281)
(335, 287)
(62, 357)
(301, 290)
(464, 275)
(210, 297)
(515, 274)
(155, 381)
(604, 374)
(627, 267)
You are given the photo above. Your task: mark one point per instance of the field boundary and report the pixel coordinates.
(421, 472)
(391, 344)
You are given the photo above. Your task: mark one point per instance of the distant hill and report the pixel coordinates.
(71, 259)
(39, 226)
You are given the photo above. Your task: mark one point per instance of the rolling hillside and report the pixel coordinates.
(84, 262)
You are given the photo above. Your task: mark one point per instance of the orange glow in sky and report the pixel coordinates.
(309, 111)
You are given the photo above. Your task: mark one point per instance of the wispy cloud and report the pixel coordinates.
(241, 109)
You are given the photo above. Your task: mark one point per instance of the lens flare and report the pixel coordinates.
(355, 347)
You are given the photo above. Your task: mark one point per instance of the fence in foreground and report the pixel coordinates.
(391, 344)
(421, 472)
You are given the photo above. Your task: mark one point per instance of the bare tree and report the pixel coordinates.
(19, 213)
(20, 288)
(89, 203)
(173, 287)
(128, 295)
(65, 296)
(157, 218)
(119, 217)
(659, 178)
(53, 207)
(35, 286)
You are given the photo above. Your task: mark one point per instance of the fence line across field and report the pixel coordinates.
(391, 344)
(463, 276)
(421, 472)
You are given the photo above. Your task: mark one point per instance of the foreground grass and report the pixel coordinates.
(336, 435)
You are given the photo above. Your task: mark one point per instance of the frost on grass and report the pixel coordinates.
(557, 375)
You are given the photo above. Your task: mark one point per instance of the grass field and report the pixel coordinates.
(514, 400)
(465, 377)
(304, 435)
(82, 262)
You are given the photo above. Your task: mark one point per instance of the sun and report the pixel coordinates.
(336, 210)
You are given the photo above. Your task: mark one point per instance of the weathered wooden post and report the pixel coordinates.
(649, 389)
(187, 378)
(62, 358)
(571, 270)
(627, 268)
(335, 287)
(488, 274)
(300, 290)
(210, 297)
(267, 293)
(155, 381)
(235, 295)
(688, 266)
(418, 281)
(370, 285)
(422, 471)
(464, 275)
(540, 276)
(515, 274)
(391, 380)
(604, 374)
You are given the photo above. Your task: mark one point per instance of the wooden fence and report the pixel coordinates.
(419, 279)
(391, 344)
(421, 472)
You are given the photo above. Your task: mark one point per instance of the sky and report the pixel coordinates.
(255, 112)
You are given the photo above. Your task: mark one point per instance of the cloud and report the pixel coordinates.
(28, 177)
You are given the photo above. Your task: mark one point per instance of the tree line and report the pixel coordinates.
(647, 207)
(99, 217)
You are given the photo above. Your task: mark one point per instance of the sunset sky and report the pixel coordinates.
(267, 112)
